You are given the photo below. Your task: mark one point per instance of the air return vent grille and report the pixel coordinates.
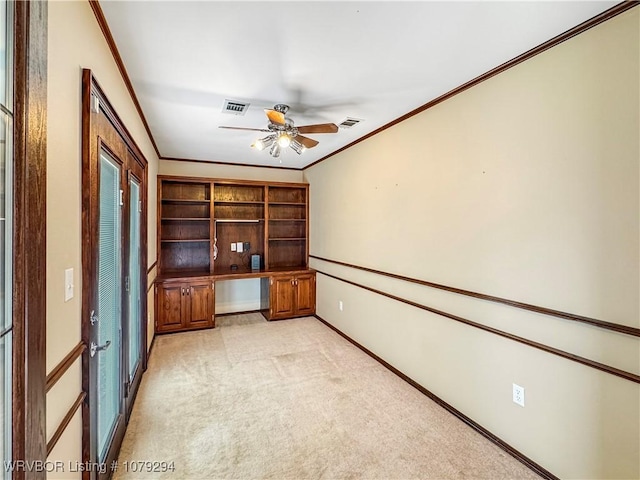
(234, 107)
(349, 122)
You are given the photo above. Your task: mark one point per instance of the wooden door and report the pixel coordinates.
(305, 294)
(199, 297)
(282, 297)
(170, 307)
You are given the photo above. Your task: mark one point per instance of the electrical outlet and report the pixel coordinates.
(518, 395)
(233, 247)
(246, 246)
(340, 306)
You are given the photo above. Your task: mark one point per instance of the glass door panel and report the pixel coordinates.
(135, 297)
(109, 303)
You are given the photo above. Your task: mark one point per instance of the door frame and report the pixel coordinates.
(29, 236)
(91, 146)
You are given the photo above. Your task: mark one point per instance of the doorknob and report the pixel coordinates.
(94, 348)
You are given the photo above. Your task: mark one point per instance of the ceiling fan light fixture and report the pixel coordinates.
(265, 142)
(297, 147)
(284, 140)
(275, 150)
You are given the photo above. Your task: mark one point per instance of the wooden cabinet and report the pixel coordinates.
(289, 296)
(184, 305)
(199, 219)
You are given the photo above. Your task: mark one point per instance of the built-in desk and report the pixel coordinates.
(186, 301)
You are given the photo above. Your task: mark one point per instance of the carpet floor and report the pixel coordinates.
(293, 400)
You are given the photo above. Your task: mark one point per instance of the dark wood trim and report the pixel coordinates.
(153, 343)
(615, 327)
(213, 162)
(457, 413)
(58, 372)
(29, 236)
(102, 22)
(583, 27)
(88, 242)
(107, 109)
(540, 346)
(65, 422)
(153, 265)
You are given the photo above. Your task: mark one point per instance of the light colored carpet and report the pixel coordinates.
(293, 400)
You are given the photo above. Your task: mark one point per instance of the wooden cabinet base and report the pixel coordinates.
(288, 295)
(188, 303)
(184, 305)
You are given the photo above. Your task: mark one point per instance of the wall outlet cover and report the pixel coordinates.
(233, 247)
(239, 247)
(518, 395)
(246, 246)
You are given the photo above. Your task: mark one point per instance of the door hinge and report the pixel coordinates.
(121, 197)
(126, 283)
(140, 206)
(95, 104)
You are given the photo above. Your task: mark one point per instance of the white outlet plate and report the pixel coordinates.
(518, 395)
(233, 247)
(340, 306)
(239, 248)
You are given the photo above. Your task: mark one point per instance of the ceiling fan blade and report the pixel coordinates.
(319, 128)
(275, 116)
(243, 128)
(307, 142)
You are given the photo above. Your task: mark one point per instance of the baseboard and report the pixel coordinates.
(153, 342)
(236, 307)
(544, 473)
(245, 312)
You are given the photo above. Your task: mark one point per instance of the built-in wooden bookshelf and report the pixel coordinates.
(197, 213)
(287, 228)
(184, 211)
(198, 221)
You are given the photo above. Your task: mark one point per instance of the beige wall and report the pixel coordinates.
(75, 42)
(236, 295)
(239, 172)
(526, 186)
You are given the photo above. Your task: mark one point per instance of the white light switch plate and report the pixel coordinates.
(233, 247)
(68, 284)
(239, 248)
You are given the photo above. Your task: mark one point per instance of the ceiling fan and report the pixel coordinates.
(283, 133)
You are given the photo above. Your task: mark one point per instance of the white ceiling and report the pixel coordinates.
(329, 60)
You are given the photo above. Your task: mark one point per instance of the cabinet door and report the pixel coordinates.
(305, 287)
(200, 300)
(282, 297)
(170, 306)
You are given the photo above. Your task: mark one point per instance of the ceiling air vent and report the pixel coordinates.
(234, 107)
(349, 122)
